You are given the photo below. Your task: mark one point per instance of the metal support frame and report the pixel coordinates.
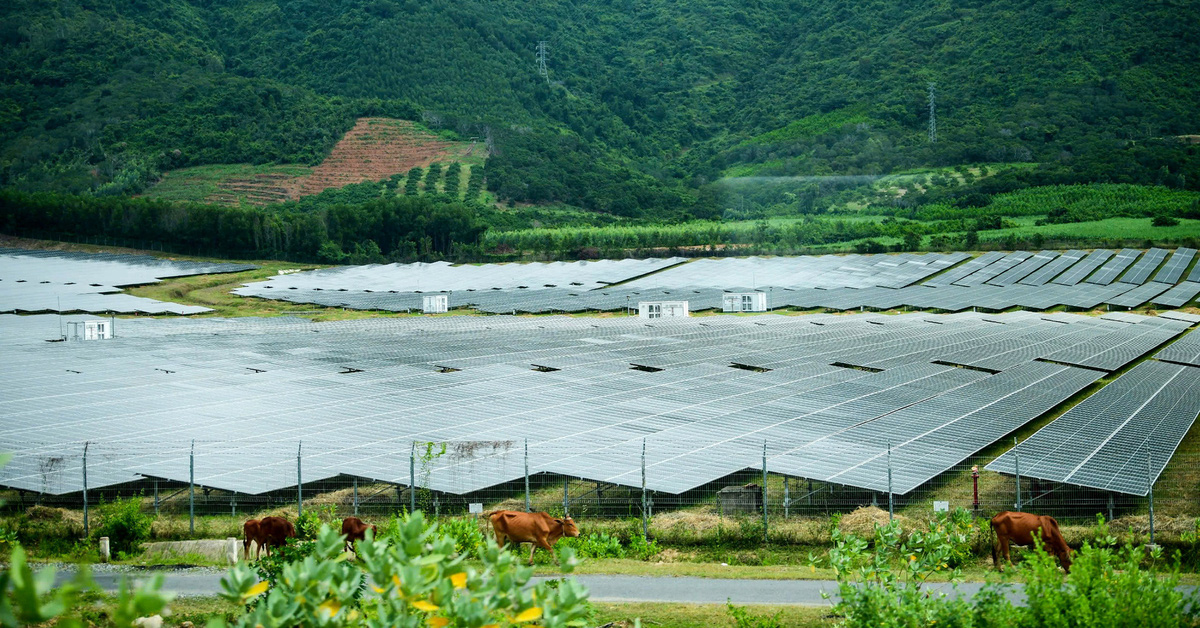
(86, 528)
(527, 505)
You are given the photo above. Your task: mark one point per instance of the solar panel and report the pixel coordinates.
(1141, 271)
(1109, 272)
(1051, 270)
(1174, 268)
(1120, 438)
(359, 392)
(1083, 268)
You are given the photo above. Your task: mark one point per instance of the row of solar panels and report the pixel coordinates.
(1122, 437)
(61, 281)
(359, 393)
(993, 281)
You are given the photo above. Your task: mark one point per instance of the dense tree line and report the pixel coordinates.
(394, 228)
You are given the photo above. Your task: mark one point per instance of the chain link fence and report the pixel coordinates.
(191, 481)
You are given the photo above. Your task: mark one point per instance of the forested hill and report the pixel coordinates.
(647, 101)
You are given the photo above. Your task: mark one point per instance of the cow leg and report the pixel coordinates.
(532, 548)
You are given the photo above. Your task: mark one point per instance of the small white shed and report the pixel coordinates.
(662, 309)
(435, 303)
(744, 302)
(89, 330)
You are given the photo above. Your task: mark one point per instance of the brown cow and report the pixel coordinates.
(253, 535)
(274, 532)
(1019, 527)
(355, 530)
(537, 528)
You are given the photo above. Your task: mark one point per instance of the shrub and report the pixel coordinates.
(270, 567)
(1164, 221)
(468, 538)
(743, 618)
(124, 523)
(418, 580)
(310, 521)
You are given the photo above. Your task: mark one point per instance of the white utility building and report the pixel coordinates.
(662, 309)
(435, 303)
(744, 302)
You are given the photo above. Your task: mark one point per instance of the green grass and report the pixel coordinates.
(1114, 229)
(198, 183)
(672, 615)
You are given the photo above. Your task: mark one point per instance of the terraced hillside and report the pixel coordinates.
(374, 149)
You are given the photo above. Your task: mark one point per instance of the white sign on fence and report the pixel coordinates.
(475, 509)
(941, 506)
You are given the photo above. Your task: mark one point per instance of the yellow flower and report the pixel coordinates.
(459, 580)
(529, 614)
(912, 557)
(352, 615)
(490, 626)
(425, 605)
(332, 606)
(438, 622)
(255, 590)
(396, 581)
(377, 589)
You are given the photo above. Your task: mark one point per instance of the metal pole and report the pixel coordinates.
(527, 509)
(355, 497)
(192, 489)
(787, 499)
(1150, 491)
(764, 491)
(891, 505)
(1017, 469)
(566, 499)
(232, 504)
(645, 523)
(299, 483)
(86, 528)
(412, 479)
(975, 481)
(156, 498)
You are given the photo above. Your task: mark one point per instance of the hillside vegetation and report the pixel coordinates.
(650, 110)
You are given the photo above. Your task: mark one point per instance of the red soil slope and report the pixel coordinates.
(375, 149)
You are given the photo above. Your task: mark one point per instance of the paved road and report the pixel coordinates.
(603, 588)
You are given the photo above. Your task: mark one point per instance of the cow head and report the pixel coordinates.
(568, 526)
(1064, 557)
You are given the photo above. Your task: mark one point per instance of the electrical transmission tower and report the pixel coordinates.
(932, 113)
(541, 60)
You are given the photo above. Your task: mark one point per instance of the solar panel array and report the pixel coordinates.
(993, 281)
(1119, 439)
(585, 392)
(60, 281)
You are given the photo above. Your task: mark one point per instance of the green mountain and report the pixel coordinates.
(645, 105)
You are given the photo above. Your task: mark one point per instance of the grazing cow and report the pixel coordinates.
(253, 535)
(1019, 528)
(355, 530)
(537, 528)
(274, 532)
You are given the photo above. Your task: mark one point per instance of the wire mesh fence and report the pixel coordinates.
(589, 481)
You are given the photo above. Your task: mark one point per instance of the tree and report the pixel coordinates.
(453, 179)
(413, 182)
(433, 177)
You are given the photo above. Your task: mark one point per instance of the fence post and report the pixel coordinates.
(566, 498)
(299, 483)
(412, 479)
(527, 508)
(764, 491)
(645, 523)
(787, 499)
(86, 529)
(1017, 470)
(156, 498)
(1150, 490)
(192, 489)
(891, 505)
(356, 497)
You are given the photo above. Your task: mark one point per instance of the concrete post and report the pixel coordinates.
(86, 529)
(527, 509)
(645, 523)
(891, 500)
(764, 491)
(299, 483)
(105, 551)
(231, 550)
(1150, 491)
(192, 489)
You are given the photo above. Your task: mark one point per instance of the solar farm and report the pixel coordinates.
(863, 405)
(952, 282)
